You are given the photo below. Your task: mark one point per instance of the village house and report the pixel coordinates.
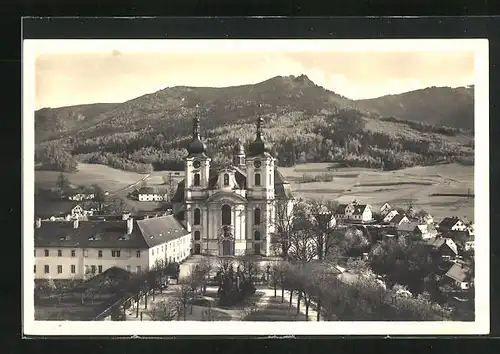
(385, 209)
(425, 231)
(354, 212)
(65, 210)
(150, 194)
(452, 224)
(389, 216)
(443, 248)
(399, 220)
(77, 249)
(460, 276)
(81, 196)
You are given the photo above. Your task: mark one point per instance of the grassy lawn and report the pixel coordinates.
(70, 308)
(415, 184)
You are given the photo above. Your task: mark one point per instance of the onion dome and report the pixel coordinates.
(258, 147)
(196, 146)
(239, 149)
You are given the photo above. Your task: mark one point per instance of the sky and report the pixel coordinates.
(65, 78)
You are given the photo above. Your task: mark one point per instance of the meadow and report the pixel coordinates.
(368, 186)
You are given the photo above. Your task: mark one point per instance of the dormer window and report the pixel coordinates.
(226, 179)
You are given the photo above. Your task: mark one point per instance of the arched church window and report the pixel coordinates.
(257, 179)
(197, 217)
(196, 179)
(226, 179)
(256, 235)
(256, 216)
(226, 215)
(196, 235)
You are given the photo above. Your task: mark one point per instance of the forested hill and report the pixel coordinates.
(442, 106)
(303, 122)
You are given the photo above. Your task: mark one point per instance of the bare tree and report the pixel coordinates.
(165, 310)
(184, 294)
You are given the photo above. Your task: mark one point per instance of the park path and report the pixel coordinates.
(130, 185)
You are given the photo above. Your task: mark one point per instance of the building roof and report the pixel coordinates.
(45, 208)
(341, 208)
(459, 272)
(407, 226)
(438, 242)
(359, 209)
(422, 228)
(160, 230)
(397, 218)
(148, 190)
(109, 234)
(282, 189)
(448, 223)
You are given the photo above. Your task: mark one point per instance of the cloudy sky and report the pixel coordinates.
(112, 75)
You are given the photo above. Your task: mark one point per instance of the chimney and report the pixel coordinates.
(75, 224)
(130, 225)
(38, 222)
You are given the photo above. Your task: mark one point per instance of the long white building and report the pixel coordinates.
(76, 249)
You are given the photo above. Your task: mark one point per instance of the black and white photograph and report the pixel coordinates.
(255, 183)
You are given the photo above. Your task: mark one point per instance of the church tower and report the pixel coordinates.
(196, 164)
(260, 168)
(239, 155)
(260, 193)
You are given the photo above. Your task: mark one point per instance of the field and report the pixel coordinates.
(415, 184)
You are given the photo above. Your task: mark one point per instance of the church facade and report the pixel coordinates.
(231, 211)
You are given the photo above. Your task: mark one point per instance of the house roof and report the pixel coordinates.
(148, 190)
(459, 272)
(438, 242)
(397, 218)
(53, 208)
(160, 230)
(109, 234)
(282, 189)
(407, 226)
(341, 208)
(448, 223)
(422, 228)
(359, 209)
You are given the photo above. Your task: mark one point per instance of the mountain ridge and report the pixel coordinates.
(309, 122)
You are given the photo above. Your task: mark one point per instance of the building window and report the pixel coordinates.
(138, 269)
(99, 269)
(115, 253)
(99, 254)
(256, 216)
(138, 254)
(153, 252)
(196, 179)
(73, 253)
(85, 253)
(59, 269)
(226, 179)
(197, 216)
(196, 235)
(59, 253)
(73, 269)
(46, 253)
(34, 269)
(256, 235)
(226, 215)
(92, 269)
(46, 269)
(257, 179)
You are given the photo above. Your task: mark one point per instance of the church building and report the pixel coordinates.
(231, 211)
